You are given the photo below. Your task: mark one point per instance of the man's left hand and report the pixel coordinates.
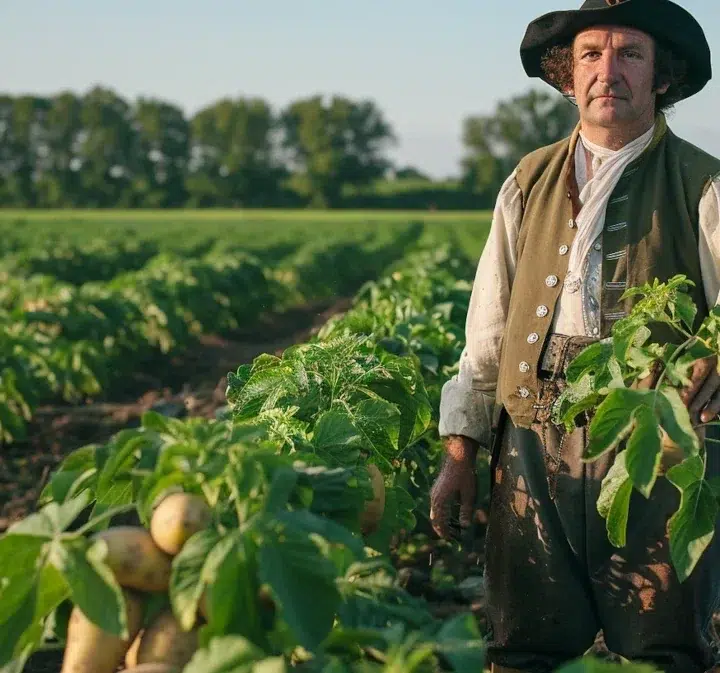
(702, 396)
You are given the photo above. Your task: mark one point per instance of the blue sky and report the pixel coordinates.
(427, 64)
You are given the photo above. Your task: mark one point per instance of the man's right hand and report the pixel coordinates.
(457, 479)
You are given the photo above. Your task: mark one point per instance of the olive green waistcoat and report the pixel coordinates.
(651, 231)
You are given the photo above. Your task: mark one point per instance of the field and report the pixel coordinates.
(284, 369)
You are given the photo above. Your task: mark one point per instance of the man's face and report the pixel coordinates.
(613, 71)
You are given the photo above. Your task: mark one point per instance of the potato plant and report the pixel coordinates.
(273, 520)
(628, 385)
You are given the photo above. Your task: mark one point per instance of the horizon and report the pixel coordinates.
(420, 70)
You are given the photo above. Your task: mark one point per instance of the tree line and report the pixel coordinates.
(98, 150)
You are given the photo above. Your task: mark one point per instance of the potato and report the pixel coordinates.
(135, 560)
(89, 649)
(164, 641)
(374, 509)
(177, 518)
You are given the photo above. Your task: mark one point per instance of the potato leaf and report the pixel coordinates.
(336, 438)
(590, 361)
(613, 420)
(52, 519)
(644, 450)
(302, 579)
(192, 569)
(614, 500)
(93, 586)
(20, 562)
(13, 628)
(459, 641)
(592, 665)
(675, 419)
(224, 655)
(692, 527)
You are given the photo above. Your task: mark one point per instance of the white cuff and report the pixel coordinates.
(465, 411)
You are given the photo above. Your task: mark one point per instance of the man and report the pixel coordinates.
(620, 202)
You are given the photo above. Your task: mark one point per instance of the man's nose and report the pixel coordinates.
(609, 71)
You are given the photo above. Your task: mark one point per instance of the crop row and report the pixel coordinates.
(73, 342)
(258, 541)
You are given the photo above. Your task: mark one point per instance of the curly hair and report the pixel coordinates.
(557, 64)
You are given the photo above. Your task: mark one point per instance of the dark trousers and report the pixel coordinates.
(553, 581)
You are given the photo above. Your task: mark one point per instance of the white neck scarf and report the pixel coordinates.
(608, 165)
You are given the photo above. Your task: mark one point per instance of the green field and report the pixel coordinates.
(255, 229)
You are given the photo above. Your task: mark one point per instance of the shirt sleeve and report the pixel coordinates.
(709, 242)
(467, 400)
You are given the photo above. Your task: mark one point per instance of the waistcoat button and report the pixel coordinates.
(541, 311)
(524, 392)
(524, 367)
(551, 281)
(532, 337)
(563, 250)
(571, 223)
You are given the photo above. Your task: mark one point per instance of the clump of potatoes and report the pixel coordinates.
(141, 562)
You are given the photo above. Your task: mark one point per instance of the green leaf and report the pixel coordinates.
(20, 562)
(336, 438)
(226, 654)
(379, 423)
(232, 597)
(618, 515)
(52, 590)
(592, 665)
(685, 309)
(613, 421)
(307, 523)
(614, 501)
(13, 628)
(629, 332)
(675, 419)
(589, 361)
(692, 527)
(303, 580)
(52, 519)
(460, 642)
(192, 569)
(283, 483)
(686, 473)
(644, 450)
(93, 586)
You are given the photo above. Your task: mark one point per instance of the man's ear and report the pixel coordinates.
(662, 89)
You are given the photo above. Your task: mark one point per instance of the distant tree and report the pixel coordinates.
(22, 146)
(335, 143)
(105, 149)
(411, 173)
(161, 154)
(234, 155)
(59, 184)
(495, 143)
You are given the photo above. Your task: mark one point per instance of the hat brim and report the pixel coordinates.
(667, 22)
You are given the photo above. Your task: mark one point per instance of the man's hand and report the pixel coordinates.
(702, 396)
(457, 478)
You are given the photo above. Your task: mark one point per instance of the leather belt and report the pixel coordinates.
(559, 351)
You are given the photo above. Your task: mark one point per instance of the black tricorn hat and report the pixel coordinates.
(671, 25)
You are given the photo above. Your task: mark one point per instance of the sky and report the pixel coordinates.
(426, 64)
